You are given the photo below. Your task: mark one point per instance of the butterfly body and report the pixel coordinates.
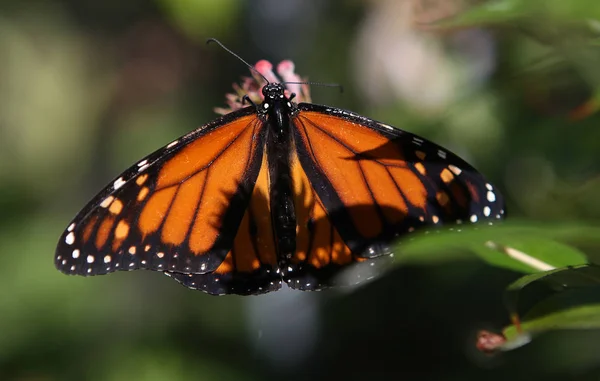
(278, 192)
(278, 109)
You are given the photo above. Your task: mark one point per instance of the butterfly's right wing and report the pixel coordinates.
(250, 266)
(179, 209)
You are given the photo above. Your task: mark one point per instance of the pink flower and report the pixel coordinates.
(252, 86)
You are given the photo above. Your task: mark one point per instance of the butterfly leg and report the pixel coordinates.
(246, 99)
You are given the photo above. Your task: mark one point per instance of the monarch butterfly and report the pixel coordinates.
(270, 193)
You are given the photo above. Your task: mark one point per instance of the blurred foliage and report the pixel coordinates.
(566, 298)
(201, 18)
(88, 87)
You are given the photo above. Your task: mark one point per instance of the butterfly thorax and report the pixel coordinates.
(278, 109)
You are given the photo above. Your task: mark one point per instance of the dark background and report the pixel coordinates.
(88, 87)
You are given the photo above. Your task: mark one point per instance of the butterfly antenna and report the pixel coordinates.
(316, 84)
(236, 56)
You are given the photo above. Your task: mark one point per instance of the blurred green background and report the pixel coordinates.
(87, 87)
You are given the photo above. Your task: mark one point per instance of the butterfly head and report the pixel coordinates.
(259, 89)
(273, 91)
(275, 100)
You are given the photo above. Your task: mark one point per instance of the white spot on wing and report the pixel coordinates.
(487, 211)
(118, 183)
(70, 238)
(457, 171)
(491, 197)
(107, 201)
(107, 259)
(473, 218)
(75, 254)
(71, 227)
(142, 163)
(173, 144)
(90, 259)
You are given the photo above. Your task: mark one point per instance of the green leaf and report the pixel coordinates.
(506, 245)
(580, 317)
(580, 276)
(575, 303)
(530, 254)
(558, 280)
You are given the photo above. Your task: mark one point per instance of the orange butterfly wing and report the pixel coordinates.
(249, 267)
(198, 209)
(321, 252)
(359, 184)
(179, 209)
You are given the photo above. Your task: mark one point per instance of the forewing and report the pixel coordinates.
(178, 209)
(250, 267)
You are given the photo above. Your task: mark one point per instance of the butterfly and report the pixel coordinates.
(274, 192)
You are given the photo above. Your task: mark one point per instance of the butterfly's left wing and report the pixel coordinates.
(360, 184)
